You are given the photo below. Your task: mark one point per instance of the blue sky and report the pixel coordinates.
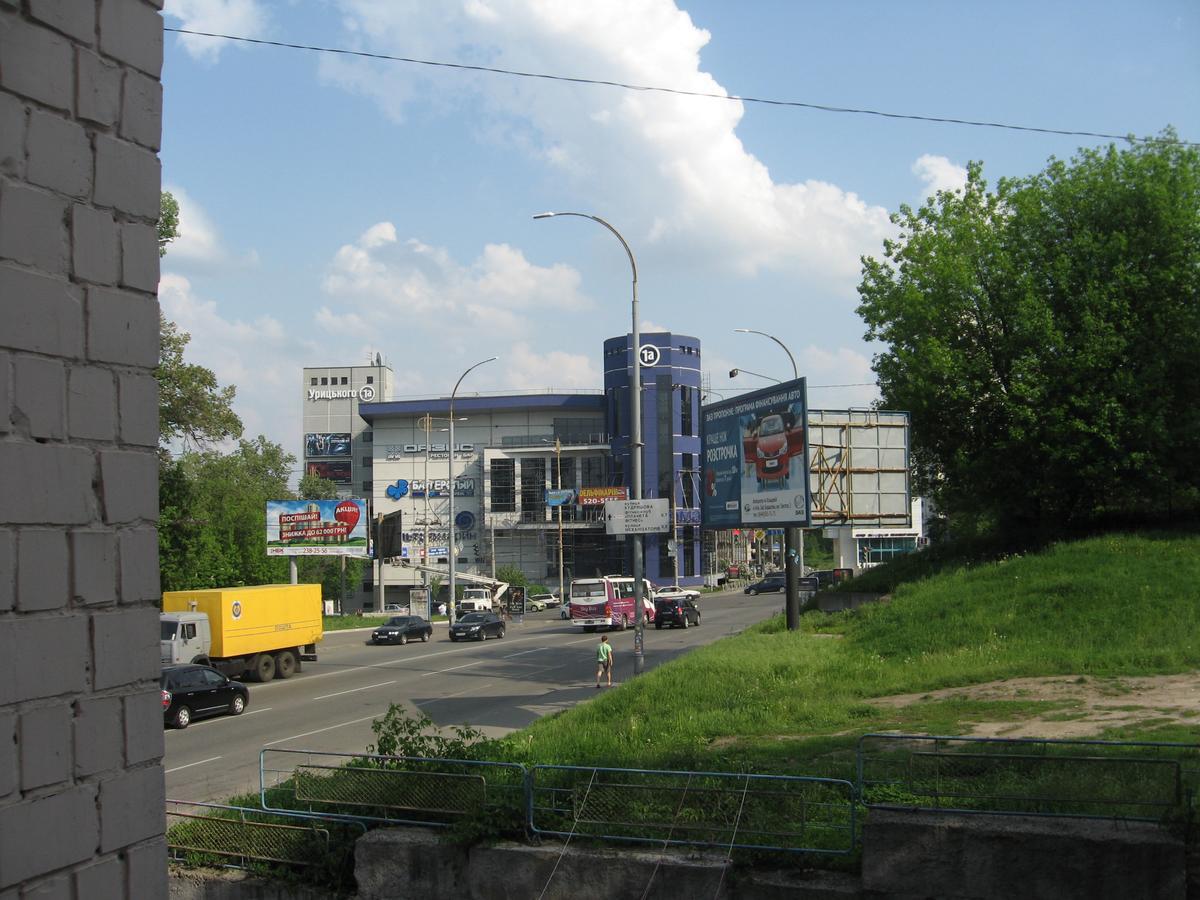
(333, 207)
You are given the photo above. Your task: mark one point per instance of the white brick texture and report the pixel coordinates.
(94, 568)
(40, 396)
(98, 737)
(8, 754)
(13, 116)
(122, 327)
(91, 403)
(139, 565)
(125, 646)
(131, 485)
(33, 228)
(95, 240)
(47, 834)
(42, 314)
(60, 154)
(45, 656)
(47, 483)
(103, 881)
(127, 177)
(8, 570)
(37, 62)
(141, 110)
(77, 20)
(42, 570)
(143, 727)
(98, 90)
(45, 746)
(139, 409)
(131, 31)
(124, 803)
(139, 257)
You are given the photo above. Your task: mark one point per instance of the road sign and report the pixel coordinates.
(637, 516)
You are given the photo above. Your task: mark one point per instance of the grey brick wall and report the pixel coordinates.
(81, 742)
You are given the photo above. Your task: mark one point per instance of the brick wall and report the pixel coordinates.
(81, 741)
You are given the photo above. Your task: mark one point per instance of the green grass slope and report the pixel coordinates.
(1118, 605)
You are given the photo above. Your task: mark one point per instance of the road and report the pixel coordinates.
(541, 666)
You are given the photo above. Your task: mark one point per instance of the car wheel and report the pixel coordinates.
(500, 633)
(425, 636)
(752, 592)
(482, 636)
(403, 639)
(182, 717)
(453, 639)
(697, 619)
(237, 705)
(684, 623)
(285, 664)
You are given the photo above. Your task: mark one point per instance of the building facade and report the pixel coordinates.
(337, 441)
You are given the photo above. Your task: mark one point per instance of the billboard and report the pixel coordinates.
(337, 472)
(327, 443)
(316, 528)
(755, 453)
(598, 496)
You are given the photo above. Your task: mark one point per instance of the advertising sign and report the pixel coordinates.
(598, 496)
(560, 497)
(637, 516)
(338, 472)
(316, 528)
(755, 452)
(327, 443)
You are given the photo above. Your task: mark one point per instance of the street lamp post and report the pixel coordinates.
(793, 538)
(733, 373)
(453, 552)
(639, 659)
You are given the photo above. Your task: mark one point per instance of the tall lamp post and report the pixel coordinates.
(453, 552)
(734, 373)
(793, 538)
(639, 632)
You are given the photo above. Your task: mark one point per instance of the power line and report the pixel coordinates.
(800, 104)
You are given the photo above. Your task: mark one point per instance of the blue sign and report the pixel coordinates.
(560, 498)
(755, 455)
(397, 490)
(464, 520)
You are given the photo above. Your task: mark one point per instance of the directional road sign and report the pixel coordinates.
(637, 516)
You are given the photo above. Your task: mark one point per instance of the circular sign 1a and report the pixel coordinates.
(649, 355)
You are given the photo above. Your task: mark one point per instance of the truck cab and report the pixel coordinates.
(476, 599)
(185, 638)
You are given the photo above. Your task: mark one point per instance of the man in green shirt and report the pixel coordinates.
(604, 660)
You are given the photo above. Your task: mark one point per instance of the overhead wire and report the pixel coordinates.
(682, 92)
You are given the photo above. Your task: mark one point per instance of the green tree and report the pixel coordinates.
(1044, 338)
(168, 221)
(192, 407)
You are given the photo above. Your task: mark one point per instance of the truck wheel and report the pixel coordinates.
(285, 664)
(264, 667)
(182, 718)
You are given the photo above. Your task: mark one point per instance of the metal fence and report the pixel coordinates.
(210, 833)
(406, 790)
(718, 809)
(1095, 779)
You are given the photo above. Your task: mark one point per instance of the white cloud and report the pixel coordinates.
(673, 165)
(529, 369)
(199, 244)
(239, 18)
(939, 174)
(377, 277)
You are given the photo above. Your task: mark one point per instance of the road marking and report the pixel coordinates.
(354, 690)
(189, 765)
(524, 652)
(453, 668)
(319, 730)
(264, 709)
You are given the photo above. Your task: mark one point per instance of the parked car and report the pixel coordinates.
(194, 692)
(827, 578)
(401, 630)
(774, 582)
(477, 626)
(538, 602)
(396, 609)
(675, 610)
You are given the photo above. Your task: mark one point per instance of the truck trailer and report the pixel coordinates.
(261, 632)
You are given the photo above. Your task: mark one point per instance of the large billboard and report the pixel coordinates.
(327, 443)
(316, 528)
(336, 471)
(755, 453)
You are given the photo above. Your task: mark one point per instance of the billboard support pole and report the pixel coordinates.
(378, 565)
(292, 570)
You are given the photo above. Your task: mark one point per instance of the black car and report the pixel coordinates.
(477, 626)
(193, 692)
(774, 582)
(402, 629)
(678, 610)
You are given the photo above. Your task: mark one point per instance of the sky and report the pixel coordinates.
(334, 206)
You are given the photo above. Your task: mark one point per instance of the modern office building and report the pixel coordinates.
(337, 442)
(509, 450)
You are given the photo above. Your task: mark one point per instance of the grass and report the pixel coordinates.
(772, 700)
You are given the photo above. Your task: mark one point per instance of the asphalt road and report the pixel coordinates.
(541, 666)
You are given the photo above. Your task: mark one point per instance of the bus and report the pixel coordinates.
(607, 602)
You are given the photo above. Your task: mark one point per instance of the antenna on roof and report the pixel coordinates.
(378, 360)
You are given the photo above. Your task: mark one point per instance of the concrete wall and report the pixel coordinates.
(81, 782)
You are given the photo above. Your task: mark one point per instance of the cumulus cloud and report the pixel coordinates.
(377, 276)
(674, 165)
(539, 369)
(937, 173)
(199, 244)
(241, 18)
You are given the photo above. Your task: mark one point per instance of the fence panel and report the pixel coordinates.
(1029, 776)
(237, 836)
(719, 809)
(404, 790)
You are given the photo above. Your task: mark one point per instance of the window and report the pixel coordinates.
(370, 379)
(345, 380)
(504, 480)
(533, 489)
(366, 437)
(366, 486)
(687, 476)
(367, 462)
(313, 381)
(685, 410)
(324, 381)
(689, 551)
(189, 630)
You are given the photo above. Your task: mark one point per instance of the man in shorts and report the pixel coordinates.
(604, 660)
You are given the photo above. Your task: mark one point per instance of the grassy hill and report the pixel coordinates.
(769, 700)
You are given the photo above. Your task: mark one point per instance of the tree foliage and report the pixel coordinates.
(1044, 337)
(192, 407)
(168, 221)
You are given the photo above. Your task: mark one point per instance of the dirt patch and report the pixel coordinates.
(1099, 703)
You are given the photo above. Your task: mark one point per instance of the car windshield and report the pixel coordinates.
(168, 630)
(397, 620)
(771, 425)
(473, 618)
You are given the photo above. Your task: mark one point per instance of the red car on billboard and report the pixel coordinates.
(770, 443)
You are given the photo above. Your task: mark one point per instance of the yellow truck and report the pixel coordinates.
(262, 631)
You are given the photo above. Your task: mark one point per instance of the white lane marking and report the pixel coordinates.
(189, 765)
(264, 709)
(453, 668)
(523, 652)
(319, 730)
(354, 690)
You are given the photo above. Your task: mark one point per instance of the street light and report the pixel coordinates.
(793, 538)
(453, 552)
(733, 373)
(639, 632)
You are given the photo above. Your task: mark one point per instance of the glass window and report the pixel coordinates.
(345, 380)
(688, 477)
(504, 497)
(211, 678)
(366, 486)
(324, 381)
(370, 379)
(312, 380)
(685, 410)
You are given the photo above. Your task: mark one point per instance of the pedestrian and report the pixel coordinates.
(604, 660)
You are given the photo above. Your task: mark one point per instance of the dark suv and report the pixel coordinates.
(193, 692)
(774, 582)
(477, 626)
(674, 611)
(402, 629)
